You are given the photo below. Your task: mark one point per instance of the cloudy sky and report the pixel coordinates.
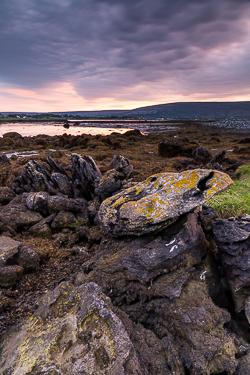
(58, 55)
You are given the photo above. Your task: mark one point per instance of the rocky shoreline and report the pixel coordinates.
(97, 276)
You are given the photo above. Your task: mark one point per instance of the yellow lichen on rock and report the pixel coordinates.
(74, 331)
(159, 200)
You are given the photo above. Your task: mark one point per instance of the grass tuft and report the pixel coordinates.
(236, 200)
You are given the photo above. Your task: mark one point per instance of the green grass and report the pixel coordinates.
(236, 200)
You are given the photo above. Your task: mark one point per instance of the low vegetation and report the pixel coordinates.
(236, 200)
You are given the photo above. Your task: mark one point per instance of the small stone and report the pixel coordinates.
(6, 195)
(9, 275)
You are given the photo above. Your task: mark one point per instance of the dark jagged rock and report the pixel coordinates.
(201, 155)
(196, 326)
(27, 257)
(4, 159)
(6, 195)
(35, 177)
(122, 166)
(219, 157)
(56, 168)
(233, 241)
(59, 203)
(108, 184)
(66, 237)
(39, 176)
(86, 176)
(207, 216)
(120, 169)
(62, 183)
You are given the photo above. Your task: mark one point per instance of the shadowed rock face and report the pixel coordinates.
(157, 202)
(74, 331)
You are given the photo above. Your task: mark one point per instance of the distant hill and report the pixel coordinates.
(195, 110)
(182, 110)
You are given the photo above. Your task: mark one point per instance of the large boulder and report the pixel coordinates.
(157, 202)
(73, 331)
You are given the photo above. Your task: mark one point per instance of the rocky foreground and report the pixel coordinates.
(100, 274)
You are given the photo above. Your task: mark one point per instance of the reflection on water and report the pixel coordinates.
(53, 129)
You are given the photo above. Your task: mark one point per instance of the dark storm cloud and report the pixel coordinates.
(102, 46)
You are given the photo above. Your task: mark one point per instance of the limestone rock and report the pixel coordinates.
(219, 157)
(4, 159)
(6, 195)
(196, 326)
(15, 258)
(9, 275)
(39, 176)
(201, 155)
(157, 202)
(233, 240)
(164, 261)
(8, 248)
(109, 183)
(62, 182)
(122, 166)
(74, 331)
(35, 177)
(55, 166)
(16, 215)
(38, 202)
(155, 279)
(27, 257)
(45, 203)
(65, 219)
(86, 176)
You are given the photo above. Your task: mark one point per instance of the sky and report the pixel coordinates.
(66, 55)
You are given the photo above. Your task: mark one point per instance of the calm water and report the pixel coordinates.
(28, 129)
(54, 129)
